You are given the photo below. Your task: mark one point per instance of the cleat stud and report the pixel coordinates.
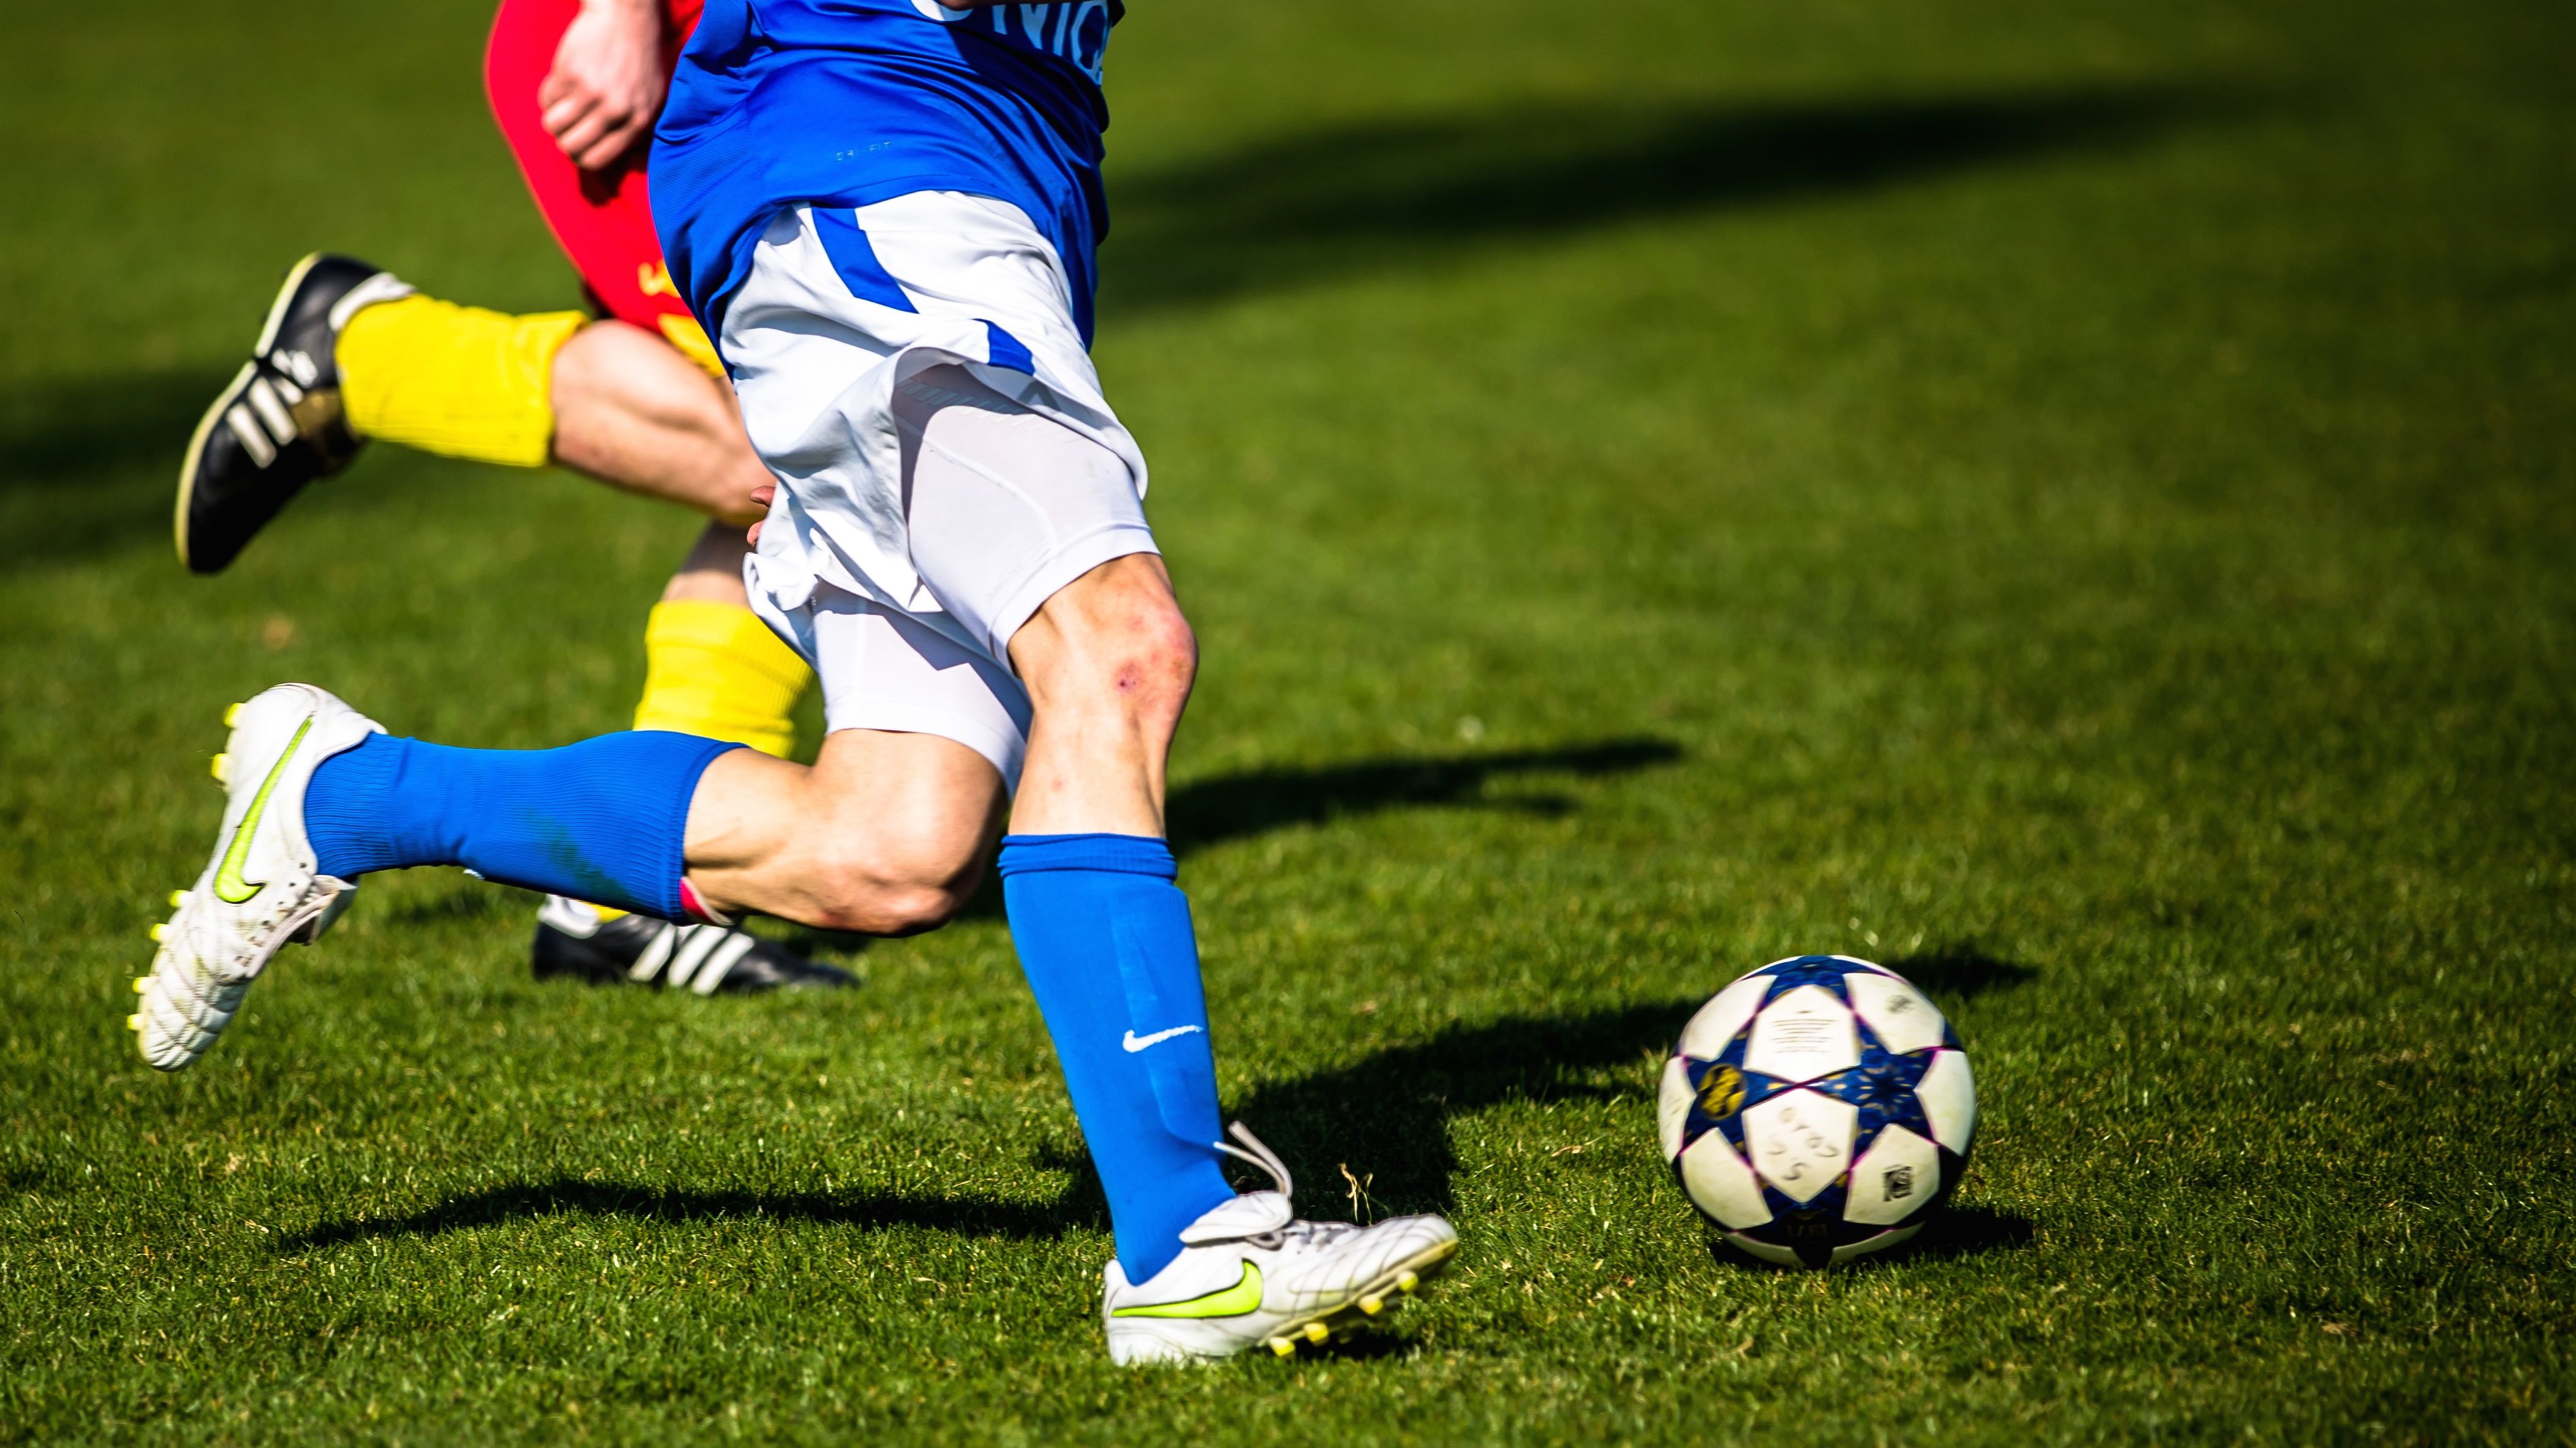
(134, 1022)
(1284, 1346)
(160, 933)
(1372, 1304)
(222, 766)
(1316, 1332)
(142, 983)
(232, 715)
(178, 898)
(1408, 1282)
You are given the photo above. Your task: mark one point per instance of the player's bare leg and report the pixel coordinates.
(1109, 662)
(714, 670)
(631, 411)
(712, 571)
(1040, 644)
(886, 832)
(351, 354)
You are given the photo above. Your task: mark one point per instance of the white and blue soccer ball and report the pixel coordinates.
(1817, 1110)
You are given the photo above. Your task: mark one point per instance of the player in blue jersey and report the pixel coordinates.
(885, 211)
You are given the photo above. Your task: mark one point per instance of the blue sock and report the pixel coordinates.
(602, 820)
(1106, 941)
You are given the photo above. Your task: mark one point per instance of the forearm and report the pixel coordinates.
(634, 22)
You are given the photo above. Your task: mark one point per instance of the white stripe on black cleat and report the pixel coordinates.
(634, 949)
(278, 424)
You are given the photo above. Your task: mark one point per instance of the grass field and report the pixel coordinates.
(2072, 501)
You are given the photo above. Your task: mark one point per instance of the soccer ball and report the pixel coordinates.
(1817, 1110)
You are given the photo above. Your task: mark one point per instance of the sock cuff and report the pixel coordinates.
(687, 761)
(1116, 854)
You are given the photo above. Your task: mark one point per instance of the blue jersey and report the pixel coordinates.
(785, 103)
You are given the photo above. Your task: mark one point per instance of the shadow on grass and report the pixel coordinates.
(1954, 1232)
(90, 464)
(1385, 1117)
(87, 464)
(1213, 811)
(1235, 806)
(1397, 193)
(1387, 1114)
(497, 1206)
(1372, 1342)
(1961, 971)
(1972, 1232)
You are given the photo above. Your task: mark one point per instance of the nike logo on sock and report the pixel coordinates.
(1135, 1043)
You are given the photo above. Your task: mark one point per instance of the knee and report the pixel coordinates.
(1115, 641)
(1152, 664)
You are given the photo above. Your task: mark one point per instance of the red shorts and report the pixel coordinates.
(602, 219)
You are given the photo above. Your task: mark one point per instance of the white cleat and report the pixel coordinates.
(261, 888)
(1251, 1275)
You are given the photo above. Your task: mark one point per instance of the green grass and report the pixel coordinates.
(2070, 500)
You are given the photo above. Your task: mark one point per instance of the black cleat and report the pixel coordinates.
(636, 949)
(279, 424)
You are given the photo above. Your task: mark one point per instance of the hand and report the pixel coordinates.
(760, 495)
(606, 86)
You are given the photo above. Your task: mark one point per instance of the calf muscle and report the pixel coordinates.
(633, 412)
(885, 834)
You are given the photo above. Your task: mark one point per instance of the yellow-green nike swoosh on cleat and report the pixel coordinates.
(227, 929)
(1251, 1274)
(1242, 1297)
(230, 887)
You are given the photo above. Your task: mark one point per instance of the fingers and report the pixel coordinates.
(760, 495)
(561, 116)
(599, 98)
(602, 151)
(595, 139)
(593, 131)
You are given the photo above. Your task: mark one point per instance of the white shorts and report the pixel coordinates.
(911, 373)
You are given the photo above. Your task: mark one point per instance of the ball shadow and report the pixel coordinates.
(1957, 1232)
(1961, 971)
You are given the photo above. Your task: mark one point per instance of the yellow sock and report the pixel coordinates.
(458, 381)
(715, 670)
